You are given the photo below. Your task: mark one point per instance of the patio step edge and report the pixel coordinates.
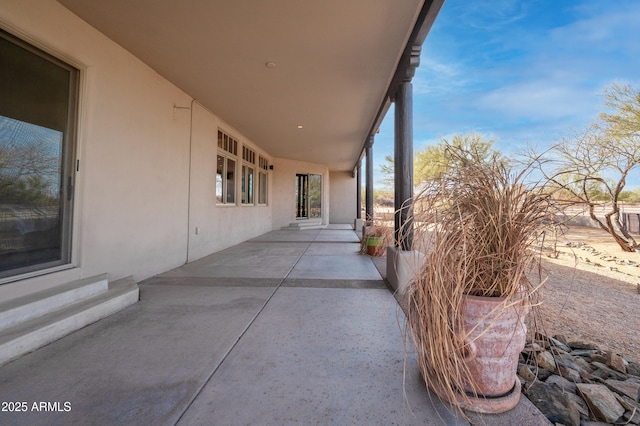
(304, 224)
(19, 310)
(35, 333)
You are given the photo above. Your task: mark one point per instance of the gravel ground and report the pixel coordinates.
(590, 298)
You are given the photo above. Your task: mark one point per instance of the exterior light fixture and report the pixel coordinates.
(270, 64)
(299, 126)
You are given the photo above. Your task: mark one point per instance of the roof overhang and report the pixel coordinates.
(267, 67)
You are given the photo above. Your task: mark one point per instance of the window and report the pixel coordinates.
(249, 157)
(263, 165)
(226, 169)
(38, 101)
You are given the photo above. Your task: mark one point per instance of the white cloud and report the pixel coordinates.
(540, 99)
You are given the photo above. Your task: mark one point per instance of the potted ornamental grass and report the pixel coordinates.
(481, 226)
(376, 238)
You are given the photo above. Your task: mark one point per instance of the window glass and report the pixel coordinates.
(37, 120)
(219, 175)
(249, 185)
(231, 181)
(315, 196)
(262, 191)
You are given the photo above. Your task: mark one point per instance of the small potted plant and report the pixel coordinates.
(484, 225)
(375, 240)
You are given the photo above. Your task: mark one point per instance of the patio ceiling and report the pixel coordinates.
(269, 66)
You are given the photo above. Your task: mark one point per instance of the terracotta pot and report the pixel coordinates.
(373, 244)
(496, 336)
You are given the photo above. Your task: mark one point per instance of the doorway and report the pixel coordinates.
(308, 196)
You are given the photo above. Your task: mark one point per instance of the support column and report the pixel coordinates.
(402, 262)
(403, 170)
(358, 224)
(359, 190)
(369, 183)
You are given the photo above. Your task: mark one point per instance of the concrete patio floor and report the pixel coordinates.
(293, 327)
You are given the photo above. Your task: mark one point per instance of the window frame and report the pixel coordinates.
(69, 165)
(227, 150)
(247, 178)
(262, 198)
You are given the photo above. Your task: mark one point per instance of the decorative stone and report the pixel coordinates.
(627, 388)
(543, 374)
(525, 373)
(633, 368)
(597, 357)
(618, 363)
(601, 401)
(597, 373)
(632, 417)
(582, 345)
(628, 403)
(559, 345)
(611, 372)
(562, 383)
(578, 403)
(583, 364)
(574, 362)
(561, 338)
(584, 353)
(554, 404)
(570, 374)
(530, 348)
(545, 360)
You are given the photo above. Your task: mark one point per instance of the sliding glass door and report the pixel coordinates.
(38, 96)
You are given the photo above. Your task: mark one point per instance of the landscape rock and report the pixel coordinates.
(610, 371)
(633, 368)
(627, 388)
(524, 371)
(545, 360)
(585, 353)
(562, 383)
(581, 345)
(598, 358)
(570, 374)
(586, 387)
(579, 403)
(576, 363)
(601, 402)
(632, 417)
(618, 363)
(628, 403)
(554, 404)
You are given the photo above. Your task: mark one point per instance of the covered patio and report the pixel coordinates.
(292, 327)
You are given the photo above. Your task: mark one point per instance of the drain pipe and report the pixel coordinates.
(176, 108)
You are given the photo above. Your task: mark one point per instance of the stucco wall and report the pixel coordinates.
(342, 197)
(131, 211)
(283, 194)
(219, 226)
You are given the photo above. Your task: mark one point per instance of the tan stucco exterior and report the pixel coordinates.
(342, 198)
(147, 169)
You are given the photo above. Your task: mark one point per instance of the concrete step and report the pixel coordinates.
(34, 333)
(304, 224)
(22, 309)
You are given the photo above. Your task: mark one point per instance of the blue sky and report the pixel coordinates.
(519, 72)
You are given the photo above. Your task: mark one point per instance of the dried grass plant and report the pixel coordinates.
(378, 228)
(482, 228)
